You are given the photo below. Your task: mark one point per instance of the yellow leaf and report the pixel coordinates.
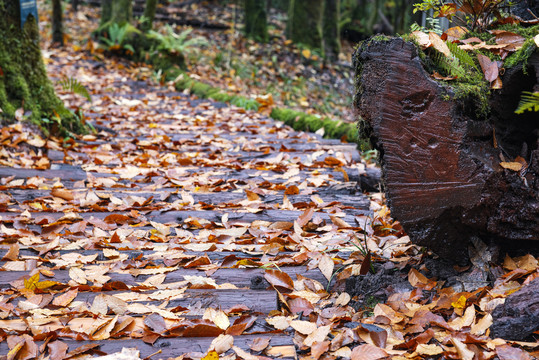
(212, 355)
(306, 53)
(30, 284)
(13, 352)
(515, 166)
(152, 125)
(536, 39)
(460, 303)
(45, 284)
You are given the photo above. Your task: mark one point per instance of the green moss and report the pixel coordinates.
(521, 56)
(379, 38)
(24, 83)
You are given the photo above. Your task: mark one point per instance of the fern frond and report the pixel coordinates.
(450, 66)
(462, 55)
(74, 86)
(528, 101)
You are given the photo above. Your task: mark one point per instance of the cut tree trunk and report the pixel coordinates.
(25, 90)
(440, 161)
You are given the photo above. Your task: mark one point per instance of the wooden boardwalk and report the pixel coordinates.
(156, 233)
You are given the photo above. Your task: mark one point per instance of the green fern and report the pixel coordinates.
(462, 55)
(74, 86)
(451, 66)
(528, 101)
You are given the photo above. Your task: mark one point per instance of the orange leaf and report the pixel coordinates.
(280, 280)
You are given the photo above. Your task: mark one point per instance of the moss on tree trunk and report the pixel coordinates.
(23, 79)
(256, 23)
(149, 15)
(116, 11)
(332, 38)
(305, 22)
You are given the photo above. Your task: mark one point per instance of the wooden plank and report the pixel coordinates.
(358, 201)
(196, 300)
(170, 347)
(234, 217)
(242, 278)
(74, 174)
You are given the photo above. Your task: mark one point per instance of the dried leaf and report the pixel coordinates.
(66, 298)
(156, 323)
(490, 68)
(367, 352)
(57, 350)
(222, 343)
(260, 343)
(279, 279)
(439, 44)
(514, 166)
(326, 266)
(303, 327)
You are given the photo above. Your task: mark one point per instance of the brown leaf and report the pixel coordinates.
(508, 38)
(57, 350)
(63, 194)
(365, 265)
(82, 349)
(156, 323)
(292, 190)
(439, 44)
(367, 352)
(260, 343)
(318, 349)
(279, 279)
(506, 352)
(490, 68)
(304, 218)
(118, 219)
(300, 304)
(12, 254)
(66, 298)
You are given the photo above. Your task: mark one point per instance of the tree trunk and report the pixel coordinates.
(116, 11)
(332, 37)
(256, 23)
(24, 85)
(149, 15)
(57, 26)
(75, 5)
(305, 22)
(441, 162)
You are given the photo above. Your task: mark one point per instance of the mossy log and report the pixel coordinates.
(441, 163)
(23, 78)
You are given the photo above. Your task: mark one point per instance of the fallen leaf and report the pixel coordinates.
(490, 68)
(367, 352)
(514, 166)
(66, 298)
(279, 279)
(303, 327)
(439, 44)
(222, 343)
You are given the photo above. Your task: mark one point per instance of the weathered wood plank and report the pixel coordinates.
(242, 278)
(169, 347)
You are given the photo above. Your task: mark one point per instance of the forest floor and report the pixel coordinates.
(187, 228)
(293, 76)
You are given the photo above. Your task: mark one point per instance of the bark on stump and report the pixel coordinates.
(518, 317)
(23, 79)
(441, 171)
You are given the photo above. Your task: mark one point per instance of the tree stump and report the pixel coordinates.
(441, 161)
(518, 317)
